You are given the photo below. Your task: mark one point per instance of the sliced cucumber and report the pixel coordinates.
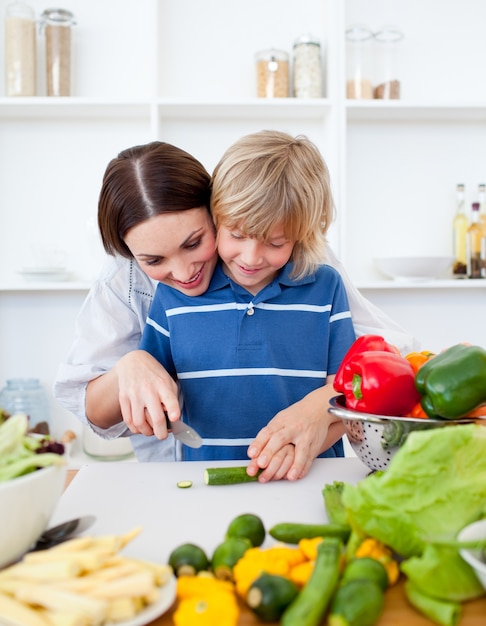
(227, 476)
(184, 484)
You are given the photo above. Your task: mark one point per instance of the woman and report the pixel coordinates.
(105, 379)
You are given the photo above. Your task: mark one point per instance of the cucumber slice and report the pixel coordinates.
(228, 476)
(184, 484)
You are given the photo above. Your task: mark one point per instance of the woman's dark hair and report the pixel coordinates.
(144, 181)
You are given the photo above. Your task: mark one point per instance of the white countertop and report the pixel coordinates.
(126, 495)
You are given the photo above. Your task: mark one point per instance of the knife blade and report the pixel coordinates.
(184, 433)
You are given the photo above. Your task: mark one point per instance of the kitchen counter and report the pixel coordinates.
(127, 495)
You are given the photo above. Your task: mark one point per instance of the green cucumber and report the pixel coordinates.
(358, 602)
(292, 532)
(228, 476)
(310, 605)
(269, 595)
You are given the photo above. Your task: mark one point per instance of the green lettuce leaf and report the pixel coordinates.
(434, 486)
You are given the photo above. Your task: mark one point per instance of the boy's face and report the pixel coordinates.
(177, 249)
(252, 263)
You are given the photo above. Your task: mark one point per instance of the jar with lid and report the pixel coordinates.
(359, 39)
(57, 25)
(307, 74)
(272, 67)
(387, 49)
(20, 50)
(26, 395)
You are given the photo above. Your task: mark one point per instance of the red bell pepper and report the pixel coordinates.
(378, 382)
(363, 344)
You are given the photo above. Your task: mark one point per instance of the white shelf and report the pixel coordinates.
(74, 108)
(33, 286)
(400, 110)
(426, 284)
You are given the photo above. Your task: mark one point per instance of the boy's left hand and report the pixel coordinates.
(290, 442)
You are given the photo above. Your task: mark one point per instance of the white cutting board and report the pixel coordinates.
(123, 496)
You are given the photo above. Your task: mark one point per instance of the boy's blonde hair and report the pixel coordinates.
(270, 178)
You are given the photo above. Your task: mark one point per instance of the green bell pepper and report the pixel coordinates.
(453, 383)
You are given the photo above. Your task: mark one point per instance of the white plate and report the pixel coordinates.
(167, 596)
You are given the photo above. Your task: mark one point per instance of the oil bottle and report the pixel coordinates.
(460, 226)
(473, 244)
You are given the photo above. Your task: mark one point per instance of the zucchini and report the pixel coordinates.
(269, 595)
(293, 532)
(310, 605)
(228, 476)
(358, 602)
(247, 525)
(366, 568)
(188, 559)
(227, 554)
(184, 484)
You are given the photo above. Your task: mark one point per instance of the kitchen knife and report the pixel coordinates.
(184, 433)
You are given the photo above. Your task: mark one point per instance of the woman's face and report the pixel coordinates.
(177, 249)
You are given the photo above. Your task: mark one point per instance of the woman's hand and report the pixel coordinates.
(137, 390)
(306, 426)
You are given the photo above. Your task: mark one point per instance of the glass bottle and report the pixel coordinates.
(26, 395)
(473, 244)
(387, 48)
(20, 50)
(307, 75)
(460, 226)
(57, 24)
(482, 206)
(358, 68)
(272, 73)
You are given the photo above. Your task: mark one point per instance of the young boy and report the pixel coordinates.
(259, 349)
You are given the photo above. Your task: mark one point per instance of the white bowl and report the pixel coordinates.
(26, 504)
(415, 268)
(475, 558)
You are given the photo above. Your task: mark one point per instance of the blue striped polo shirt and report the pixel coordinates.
(240, 359)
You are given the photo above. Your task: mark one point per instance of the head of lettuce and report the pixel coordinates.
(434, 486)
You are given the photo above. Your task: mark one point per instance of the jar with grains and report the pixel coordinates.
(272, 73)
(387, 48)
(57, 24)
(359, 39)
(20, 50)
(307, 68)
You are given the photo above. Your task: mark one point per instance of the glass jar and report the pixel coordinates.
(106, 449)
(272, 68)
(387, 48)
(20, 50)
(307, 76)
(359, 39)
(26, 395)
(57, 24)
